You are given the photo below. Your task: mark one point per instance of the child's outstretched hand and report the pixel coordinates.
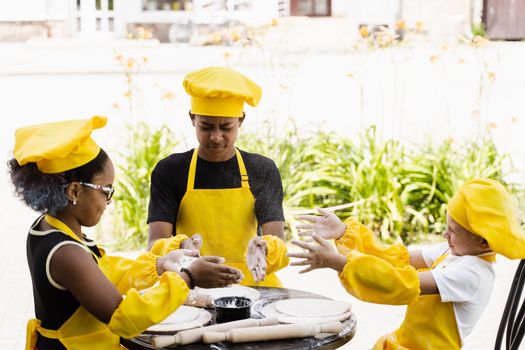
(317, 255)
(256, 258)
(328, 225)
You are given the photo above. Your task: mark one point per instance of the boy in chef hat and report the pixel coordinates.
(446, 287)
(227, 200)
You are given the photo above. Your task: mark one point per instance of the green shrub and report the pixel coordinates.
(400, 192)
(478, 29)
(287, 150)
(145, 147)
(433, 174)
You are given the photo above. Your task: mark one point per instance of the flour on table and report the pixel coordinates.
(233, 291)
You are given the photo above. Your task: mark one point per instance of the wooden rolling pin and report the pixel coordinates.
(285, 331)
(194, 335)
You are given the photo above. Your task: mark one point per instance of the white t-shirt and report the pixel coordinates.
(466, 281)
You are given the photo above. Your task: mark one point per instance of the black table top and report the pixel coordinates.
(268, 295)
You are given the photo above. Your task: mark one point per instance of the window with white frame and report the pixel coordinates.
(94, 17)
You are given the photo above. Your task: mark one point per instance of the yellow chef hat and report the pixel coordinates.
(60, 146)
(484, 207)
(220, 92)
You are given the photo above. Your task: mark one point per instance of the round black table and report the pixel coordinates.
(268, 295)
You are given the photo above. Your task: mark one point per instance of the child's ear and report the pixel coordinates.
(72, 190)
(484, 243)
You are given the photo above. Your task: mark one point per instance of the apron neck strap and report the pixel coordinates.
(64, 228)
(193, 170)
(242, 170)
(489, 257)
(438, 260)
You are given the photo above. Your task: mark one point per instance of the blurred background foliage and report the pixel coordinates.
(400, 191)
(144, 149)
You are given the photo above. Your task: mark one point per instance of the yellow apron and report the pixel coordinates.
(82, 331)
(428, 324)
(225, 218)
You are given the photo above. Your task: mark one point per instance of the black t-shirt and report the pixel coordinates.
(170, 176)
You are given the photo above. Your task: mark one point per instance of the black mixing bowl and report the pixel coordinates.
(232, 308)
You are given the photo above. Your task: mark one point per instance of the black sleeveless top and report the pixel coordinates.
(53, 304)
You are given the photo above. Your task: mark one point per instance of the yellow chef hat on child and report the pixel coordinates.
(220, 92)
(484, 207)
(60, 146)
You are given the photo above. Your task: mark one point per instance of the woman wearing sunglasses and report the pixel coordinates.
(85, 299)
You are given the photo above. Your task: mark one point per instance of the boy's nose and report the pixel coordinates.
(216, 136)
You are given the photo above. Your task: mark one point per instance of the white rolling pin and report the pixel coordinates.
(284, 331)
(194, 335)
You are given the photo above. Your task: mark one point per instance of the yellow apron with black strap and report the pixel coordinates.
(82, 331)
(225, 218)
(429, 323)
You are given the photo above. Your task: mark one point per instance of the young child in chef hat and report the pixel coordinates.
(446, 287)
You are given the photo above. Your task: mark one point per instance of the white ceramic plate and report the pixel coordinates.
(185, 317)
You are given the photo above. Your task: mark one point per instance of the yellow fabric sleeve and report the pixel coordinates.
(127, 273)
(137, 312)
(165, 245)
(372, 279)
(361, 238)
(276, 257)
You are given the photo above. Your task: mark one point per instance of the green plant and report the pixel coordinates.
(367, 171)
(287, 149)
(433, 174)
(400, 192)
(145, 148)
(478, 29)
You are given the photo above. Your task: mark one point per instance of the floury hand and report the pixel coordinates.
(256, 258)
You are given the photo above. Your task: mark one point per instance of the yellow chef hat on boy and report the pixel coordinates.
(220, 92)
(60, 146)
(484, 207)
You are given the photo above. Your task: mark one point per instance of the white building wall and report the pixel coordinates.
(440, 18)
(33, 10)
(23, 10)
(366, 12)
(340, 8)
(57, 10)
